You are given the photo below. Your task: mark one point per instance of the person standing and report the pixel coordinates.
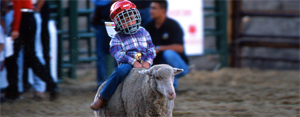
(23, 34)
(3, 82)
(42, 48)
(43, 8)
(99, 16)
(167, 36)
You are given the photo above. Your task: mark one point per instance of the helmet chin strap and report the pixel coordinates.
(133, 29)
(130, 30)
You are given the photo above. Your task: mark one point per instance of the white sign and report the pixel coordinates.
(189, 15)
(9, 47)
(110, 28)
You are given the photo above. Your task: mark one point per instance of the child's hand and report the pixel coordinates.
(136, 64)
(146, 64)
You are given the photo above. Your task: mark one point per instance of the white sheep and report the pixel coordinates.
(144, 92)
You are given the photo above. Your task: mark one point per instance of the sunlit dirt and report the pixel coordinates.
(227, 92)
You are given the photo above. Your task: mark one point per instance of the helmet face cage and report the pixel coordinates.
(128, 21)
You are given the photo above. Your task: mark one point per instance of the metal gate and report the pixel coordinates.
(68, 58)
(219, 31)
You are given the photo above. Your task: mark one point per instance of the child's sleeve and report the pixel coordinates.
(117, 52)
(151, 54)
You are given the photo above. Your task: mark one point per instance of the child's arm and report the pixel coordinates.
(151, 54)
(118, 53)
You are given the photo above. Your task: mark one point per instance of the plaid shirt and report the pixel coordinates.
(124, 47)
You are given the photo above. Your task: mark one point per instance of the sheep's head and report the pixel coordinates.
(164, 77)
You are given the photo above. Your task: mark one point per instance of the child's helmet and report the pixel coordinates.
(121, 10)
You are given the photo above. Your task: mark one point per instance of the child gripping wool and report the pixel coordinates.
(131, 46)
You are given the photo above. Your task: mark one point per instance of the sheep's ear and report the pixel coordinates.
(177, 71)
(145, 72)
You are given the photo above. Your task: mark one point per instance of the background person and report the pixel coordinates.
(42, 49)
(3, 82)
(23, 34)
(99, 16)
(26, 77)
(144, 7)
(167, 36)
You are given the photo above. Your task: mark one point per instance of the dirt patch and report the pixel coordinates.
(227, 92)
(238, 92)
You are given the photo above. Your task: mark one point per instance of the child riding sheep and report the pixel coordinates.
(129, 42)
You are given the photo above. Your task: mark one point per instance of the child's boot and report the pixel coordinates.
(99, 103)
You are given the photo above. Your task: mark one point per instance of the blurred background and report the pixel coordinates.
(248, 64)
(244, 33)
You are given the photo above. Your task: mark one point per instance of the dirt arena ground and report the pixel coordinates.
(227, 92)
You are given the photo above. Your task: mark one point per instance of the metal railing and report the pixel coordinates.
(67, 67)
(238, 40)
(219, 31)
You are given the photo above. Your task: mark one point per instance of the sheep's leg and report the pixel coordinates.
(96, 113)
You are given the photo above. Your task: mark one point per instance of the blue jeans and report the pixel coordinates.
(3, 81)
(102, 50)
(114, 80)
(173, 58)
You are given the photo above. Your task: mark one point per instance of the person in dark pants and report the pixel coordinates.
(45, 15)
(23, 34)
(42, 7)
(167, 36)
